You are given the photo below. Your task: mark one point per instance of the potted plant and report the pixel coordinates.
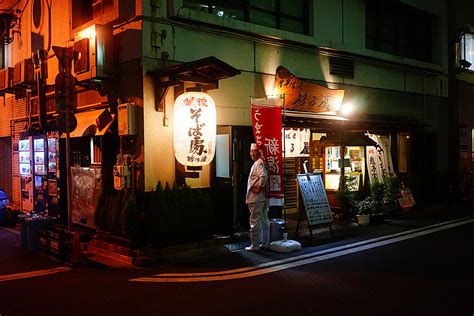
(391, 195)
(364, 209)
(346, 195)
(377, 193)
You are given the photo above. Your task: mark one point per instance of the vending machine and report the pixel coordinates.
(40, 189)
(39, 173)
(26, 174)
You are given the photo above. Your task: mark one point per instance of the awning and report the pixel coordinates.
(347, 139)
(354, 123)
(205, 72)
(92, 123)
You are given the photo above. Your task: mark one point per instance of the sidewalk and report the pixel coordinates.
(14, 259)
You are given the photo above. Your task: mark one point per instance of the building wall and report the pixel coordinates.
(421, 88)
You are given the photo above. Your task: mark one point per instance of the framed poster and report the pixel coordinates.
(39, 169)
(52, 187)
(39, 158)
(24, 157)
(24, 145)
(39, 144)
(51, 144)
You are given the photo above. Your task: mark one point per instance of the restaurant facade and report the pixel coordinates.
(350, 73)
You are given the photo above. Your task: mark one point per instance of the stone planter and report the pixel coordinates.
(363, 219)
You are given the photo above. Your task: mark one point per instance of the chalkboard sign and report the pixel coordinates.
(315, 199)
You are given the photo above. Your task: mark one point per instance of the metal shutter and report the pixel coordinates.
(19, 110)
(5, 163)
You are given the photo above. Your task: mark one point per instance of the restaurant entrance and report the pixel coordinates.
(232, 166)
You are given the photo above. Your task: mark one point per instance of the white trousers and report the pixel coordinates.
(259, 223)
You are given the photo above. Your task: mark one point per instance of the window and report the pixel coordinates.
(285, 15)
(404, 147)
(472, 144)
(2, 56)
(353, 163)
(82, 12)
(466, 51)
(399, 29)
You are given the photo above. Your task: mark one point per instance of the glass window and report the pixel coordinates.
(467, 51)
(353, 164)
(280, 14)
(264, 4)
(292, 26)
(2, 56)
(472, 144)
(288, 7)
(264, 19)
(403, 151)
(399, 29)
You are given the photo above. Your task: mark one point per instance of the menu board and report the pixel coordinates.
(314, 197)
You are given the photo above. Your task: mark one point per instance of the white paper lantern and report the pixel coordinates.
(194, 129)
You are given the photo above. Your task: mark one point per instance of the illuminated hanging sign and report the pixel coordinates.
(306, 96)
(194, 129)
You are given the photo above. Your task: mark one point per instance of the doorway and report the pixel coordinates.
(232, 167)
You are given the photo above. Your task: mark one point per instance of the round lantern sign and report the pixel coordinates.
(194, 129)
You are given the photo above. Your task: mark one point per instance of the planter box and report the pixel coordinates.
(363, 219)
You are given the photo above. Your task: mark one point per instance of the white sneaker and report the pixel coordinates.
(252, 248)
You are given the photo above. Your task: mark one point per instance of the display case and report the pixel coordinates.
(353, 162)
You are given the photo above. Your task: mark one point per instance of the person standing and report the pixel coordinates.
(257, 201)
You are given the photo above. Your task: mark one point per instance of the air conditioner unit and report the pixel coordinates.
(112, 12)
(24, 74)
(6, 76)
(127, 119)
(94, 47)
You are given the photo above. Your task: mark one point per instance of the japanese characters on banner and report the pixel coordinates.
(296, 142)
(266, 122)
(194, 129)
(379, 159)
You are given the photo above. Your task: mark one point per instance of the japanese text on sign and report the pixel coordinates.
(314, 197)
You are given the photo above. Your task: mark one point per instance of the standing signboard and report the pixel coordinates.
(315, 201)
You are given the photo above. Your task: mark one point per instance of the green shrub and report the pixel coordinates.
(346, 195)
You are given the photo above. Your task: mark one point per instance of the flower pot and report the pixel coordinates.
(363, 219)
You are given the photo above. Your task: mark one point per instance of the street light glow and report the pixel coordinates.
(346, 108)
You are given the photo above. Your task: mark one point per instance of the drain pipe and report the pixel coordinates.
(40, 60)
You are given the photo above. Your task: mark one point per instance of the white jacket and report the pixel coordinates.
(258, 177)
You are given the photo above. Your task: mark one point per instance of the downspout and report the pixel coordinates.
(49, 25)
(40, 60)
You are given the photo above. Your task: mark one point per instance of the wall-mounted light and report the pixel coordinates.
(346, 108)
(88, 32)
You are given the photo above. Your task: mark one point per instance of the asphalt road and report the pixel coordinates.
(407, 271)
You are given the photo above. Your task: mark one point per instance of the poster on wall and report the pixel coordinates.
(266, 122)
(296, 142)
(85, 192)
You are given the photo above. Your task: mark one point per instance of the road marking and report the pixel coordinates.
(292, 262)
(308, 255)
(32, 274)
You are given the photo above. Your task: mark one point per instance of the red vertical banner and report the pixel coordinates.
(266, 122)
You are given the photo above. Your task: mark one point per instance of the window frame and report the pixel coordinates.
(247, 9)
